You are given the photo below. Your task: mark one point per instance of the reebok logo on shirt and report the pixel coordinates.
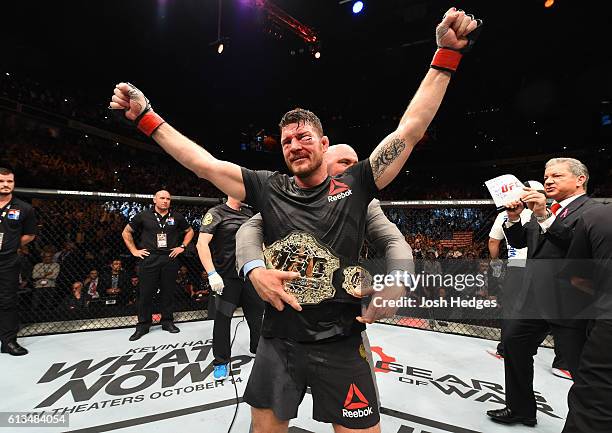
(338, 190)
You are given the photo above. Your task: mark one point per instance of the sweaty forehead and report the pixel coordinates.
(296, 129)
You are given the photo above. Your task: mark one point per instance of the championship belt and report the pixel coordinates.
(357, 281)
(302, 252)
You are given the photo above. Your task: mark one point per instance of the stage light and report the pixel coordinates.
(317, 55)
(358, 7)
(549, 3)
(220, 48)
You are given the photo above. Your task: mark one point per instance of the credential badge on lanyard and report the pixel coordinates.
(162, 238)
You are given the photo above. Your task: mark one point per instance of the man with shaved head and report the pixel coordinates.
(339, 157)
(164, 234)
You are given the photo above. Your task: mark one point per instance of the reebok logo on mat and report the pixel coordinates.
(355, 404)
(338, 190)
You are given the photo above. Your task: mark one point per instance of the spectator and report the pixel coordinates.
(182, 280)
(77, 300)
(115, 283)
(70, 265)
(44, 275)
(67, 250)
(202, 291)
(91, 284)
(133, 290)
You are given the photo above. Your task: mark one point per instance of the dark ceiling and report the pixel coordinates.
(532, 64)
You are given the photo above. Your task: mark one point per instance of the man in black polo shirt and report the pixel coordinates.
(319, 224)
(17, 227)
(164, 235)
(218, 230)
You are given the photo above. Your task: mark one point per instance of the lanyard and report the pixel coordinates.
(159, 220)
(4, 211)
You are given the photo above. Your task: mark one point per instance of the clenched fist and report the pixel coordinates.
(127, 97)
(454, 29)
(137, 108)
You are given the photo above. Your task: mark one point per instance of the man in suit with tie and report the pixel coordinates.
(545, 302)
(589, 268)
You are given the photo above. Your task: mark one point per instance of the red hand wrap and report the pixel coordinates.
(446, 60)
(150, 122)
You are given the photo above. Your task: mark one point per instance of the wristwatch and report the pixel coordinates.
(182, 246)
(545, 217)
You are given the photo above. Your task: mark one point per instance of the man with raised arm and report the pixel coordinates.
(314, 226)
(380, 232)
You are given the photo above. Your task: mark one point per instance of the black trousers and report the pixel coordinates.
(512, 284)
(590, 398)
(9, 283)
(156, 271)
(513, 281)
(522, 337)
(235, 293)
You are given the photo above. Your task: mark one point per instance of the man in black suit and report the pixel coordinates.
(114, 283)
(545, 302)
(589, 267)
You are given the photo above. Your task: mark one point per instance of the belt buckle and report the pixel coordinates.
(302, 252)
(357, 281)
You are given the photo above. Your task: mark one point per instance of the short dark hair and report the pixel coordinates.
(299, 115)
(4, 171)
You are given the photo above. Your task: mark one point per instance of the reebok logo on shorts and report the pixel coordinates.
(338, 190)
(355, 404)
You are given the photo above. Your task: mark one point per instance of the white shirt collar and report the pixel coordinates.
(567, 201)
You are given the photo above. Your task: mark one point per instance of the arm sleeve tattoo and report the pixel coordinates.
(384, 157)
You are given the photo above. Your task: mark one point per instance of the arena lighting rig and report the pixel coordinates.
(283, 19)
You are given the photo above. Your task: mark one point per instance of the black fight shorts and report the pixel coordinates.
(337, 373)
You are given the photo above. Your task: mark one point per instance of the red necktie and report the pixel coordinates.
(555, 208)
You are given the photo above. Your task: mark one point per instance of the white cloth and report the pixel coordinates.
(516, 256)
(216, 283)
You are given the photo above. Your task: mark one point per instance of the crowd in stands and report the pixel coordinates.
(54, 158)
(59, 157)
(79, 267)
(73, 104)
(79, 261)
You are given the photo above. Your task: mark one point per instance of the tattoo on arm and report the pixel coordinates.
(385, 156)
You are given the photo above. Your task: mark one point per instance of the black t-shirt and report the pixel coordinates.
(223, 222)
(16, 219)
(590, 255)
(334, 212)
(150, 223)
